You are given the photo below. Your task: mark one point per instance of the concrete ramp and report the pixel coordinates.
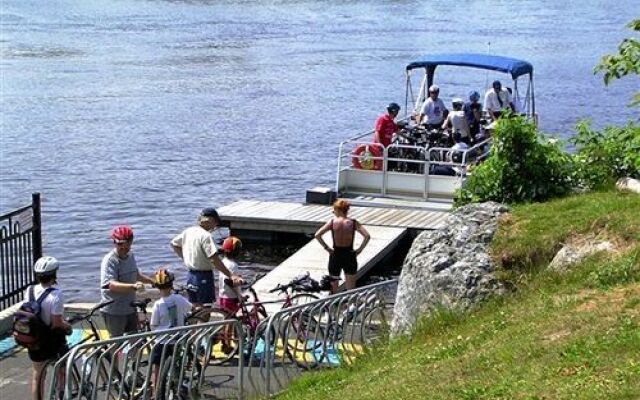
(313, 258)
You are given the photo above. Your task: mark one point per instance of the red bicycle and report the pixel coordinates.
(252, 314)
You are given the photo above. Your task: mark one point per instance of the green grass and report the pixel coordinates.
(558, 336)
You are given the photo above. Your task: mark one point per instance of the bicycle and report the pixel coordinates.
(81, 386)
(318, 333)
(181, 367)
(253, 316)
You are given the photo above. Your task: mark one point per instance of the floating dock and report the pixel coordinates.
(387, 224)
(307, 218)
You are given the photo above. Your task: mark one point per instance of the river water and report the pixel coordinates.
(143, 112)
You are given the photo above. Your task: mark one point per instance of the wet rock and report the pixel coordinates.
(449, 267)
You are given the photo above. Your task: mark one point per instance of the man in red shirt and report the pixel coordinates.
(385, 125)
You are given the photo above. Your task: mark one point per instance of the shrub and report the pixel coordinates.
(523, 166)
(602, 157)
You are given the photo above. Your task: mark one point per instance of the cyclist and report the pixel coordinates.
(196, 248)
(54, 344)
(342, 256)
(229, 296)
(167, 312)
(120, 278)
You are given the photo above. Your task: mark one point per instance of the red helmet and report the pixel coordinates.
(122, 233)
(231, 244)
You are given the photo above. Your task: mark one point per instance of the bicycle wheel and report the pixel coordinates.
(303, 336)
(224, 345)
(374, 329)
(51, 385)
(303, 298)
(169, 387)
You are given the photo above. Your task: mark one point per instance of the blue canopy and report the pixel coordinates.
(509, 65)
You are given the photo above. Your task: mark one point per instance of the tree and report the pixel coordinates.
(626, 62)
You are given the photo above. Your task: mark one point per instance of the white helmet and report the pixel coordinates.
(46, 265)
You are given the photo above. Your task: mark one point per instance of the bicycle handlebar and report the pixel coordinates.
(90, 313)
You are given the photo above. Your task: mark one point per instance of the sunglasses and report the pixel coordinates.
(122, 242)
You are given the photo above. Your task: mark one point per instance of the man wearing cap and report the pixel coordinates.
(385, 125)
(433, 110)
(196, 248)
(473, 111)
(497, 100)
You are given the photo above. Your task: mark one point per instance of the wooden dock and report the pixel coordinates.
(307, 218)
(313, 258)
(387, 223)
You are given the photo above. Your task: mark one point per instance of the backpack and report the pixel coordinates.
(28, 328)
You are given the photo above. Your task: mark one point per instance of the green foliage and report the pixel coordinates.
(625, 62)
(617, 272)
(533, 233)
(522, 167)
(604, 156)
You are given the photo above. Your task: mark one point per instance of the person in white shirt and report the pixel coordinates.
(497, 100)
(196, 248)
(456, 120)
(433, 110)
(54, 344)
(169, 311)
(456, 154)
(229, 297)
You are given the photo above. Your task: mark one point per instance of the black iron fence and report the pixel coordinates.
(20, 247)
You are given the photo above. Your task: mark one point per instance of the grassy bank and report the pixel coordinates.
(569, 336)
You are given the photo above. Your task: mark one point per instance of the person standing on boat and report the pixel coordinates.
(342, 256)
(196, 248)
(433, 110)
(497, 100)
(473, 112)
(385, 126)
(456, 120)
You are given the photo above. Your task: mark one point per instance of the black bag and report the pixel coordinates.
(28, 328)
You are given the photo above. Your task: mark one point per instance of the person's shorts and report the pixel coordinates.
(203, 280)
(156, 353)
(51, 349)
(230, 305)
(118, 325)
(343, 258)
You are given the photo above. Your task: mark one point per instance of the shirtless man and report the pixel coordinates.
(342, 256)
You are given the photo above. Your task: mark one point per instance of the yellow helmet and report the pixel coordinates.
(163, 278)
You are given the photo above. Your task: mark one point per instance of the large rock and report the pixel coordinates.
(449, 267)
(574, 252)
(628, 184)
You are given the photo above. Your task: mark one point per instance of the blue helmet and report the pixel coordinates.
(474, 96)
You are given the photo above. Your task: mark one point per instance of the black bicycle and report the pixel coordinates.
(52, 381)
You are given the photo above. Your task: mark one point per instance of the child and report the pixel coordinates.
(167, 312)
(229, 296)
(54, 345)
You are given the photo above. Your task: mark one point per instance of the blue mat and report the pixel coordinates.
(9, 346)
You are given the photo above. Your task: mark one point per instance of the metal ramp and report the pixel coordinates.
(313, 258)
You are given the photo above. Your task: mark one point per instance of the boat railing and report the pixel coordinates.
(404, 170)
